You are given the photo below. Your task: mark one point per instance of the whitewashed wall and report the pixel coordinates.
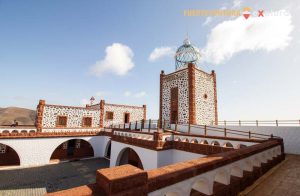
(290, 135)
(151, 159)
(136, 113)
(37, 151)
(74, 115)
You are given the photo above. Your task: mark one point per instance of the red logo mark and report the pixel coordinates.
(260, 13)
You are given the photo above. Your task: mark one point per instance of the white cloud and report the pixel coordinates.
(237, 3)
(161, 52)
(140, 94)
(118, 60)
(207, 21)
(127, 93)
(84, 101)
(257, 33)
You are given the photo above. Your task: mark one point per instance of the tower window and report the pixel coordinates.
(109, 115)
(61, 121)
(87, 121)
(205, 96)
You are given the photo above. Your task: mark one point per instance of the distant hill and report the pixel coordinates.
(22, 115)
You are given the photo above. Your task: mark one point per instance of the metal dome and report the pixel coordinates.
(185, 54)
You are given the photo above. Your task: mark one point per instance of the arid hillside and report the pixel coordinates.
(22, 115)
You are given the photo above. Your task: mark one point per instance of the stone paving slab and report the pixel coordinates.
(284, 181)
(36, 181)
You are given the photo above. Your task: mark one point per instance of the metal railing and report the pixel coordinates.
(165, 125)
(258, 123)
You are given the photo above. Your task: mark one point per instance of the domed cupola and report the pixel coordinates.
(185, 54)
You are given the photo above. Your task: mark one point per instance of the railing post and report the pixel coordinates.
(124, 126)
(225, 123)
(205, 130)
(164, 126)
(142, 124)
(176, 126)
(136, 125)
(257, 123)
(240, 123)
(158, 125)
(189, 130)
(149, 127)
(225, 132)
(271, 135)
(276, 123)
(129, 125)
(249, 134)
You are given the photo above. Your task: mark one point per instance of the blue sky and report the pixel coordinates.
(47, 49)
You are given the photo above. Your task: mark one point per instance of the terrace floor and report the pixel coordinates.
(283, 180)
(36, 181)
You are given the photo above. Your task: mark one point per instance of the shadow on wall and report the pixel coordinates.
(73, 149)
(8, 156)
(129, 156)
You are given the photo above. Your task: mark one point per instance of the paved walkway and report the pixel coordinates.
(37, 181)
(282, 181)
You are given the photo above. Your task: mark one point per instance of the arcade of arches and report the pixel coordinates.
(8, 156)
(73, 149)
(129, 156)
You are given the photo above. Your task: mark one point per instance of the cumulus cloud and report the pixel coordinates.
(140, 94)
(161, 52)
(257, 33)
(127, 93)
(84, 101)
(118, 60)
(135, 95)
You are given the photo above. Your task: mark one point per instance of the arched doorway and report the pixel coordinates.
(8, 156)
(129, 156)
(108, 150)
(73, 149)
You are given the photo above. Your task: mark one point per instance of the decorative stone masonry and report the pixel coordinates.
(162, 74)
(39, 115)
(123, 180)
(213, 73)
(145, 112)
(192, 94)
(102, 103)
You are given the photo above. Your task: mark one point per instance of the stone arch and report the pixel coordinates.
(195, 141)
(108, 150)
(215, 143)
(236, 171)
(202, 185)
(227, 145)
(73, 149)
(5, 131)
(129, 156)
(185, 140)
(177, 139)
(15, 131)
(222, 176)
(204, 142)
(8, 156)
(240, 146)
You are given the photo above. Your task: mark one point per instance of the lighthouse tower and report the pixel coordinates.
(188, 95)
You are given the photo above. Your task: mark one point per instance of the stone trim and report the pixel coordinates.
(39, 115)
(73, 107)
(213, 73)
(192, 93)
(145, 112)
(102, 103)
(128, 106)
(51, 135)
(162, 75)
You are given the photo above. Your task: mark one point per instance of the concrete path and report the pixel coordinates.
(37, 181)
(282, 181)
